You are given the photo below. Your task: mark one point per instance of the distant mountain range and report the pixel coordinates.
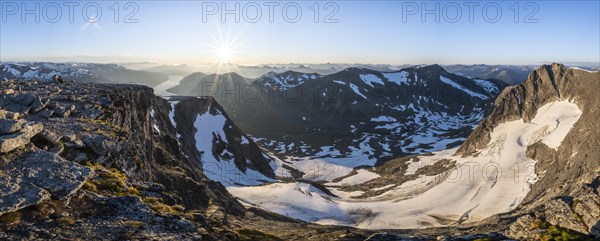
(511, 74)
(358, 114)
(82, 72)
(152, 74)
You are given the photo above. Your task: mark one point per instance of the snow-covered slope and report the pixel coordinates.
(208, 135)
(493, 182)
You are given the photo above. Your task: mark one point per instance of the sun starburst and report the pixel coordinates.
(224, 50)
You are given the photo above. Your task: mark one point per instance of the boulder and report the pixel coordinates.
(75, 144)
(38, 104)
(62, 112)
(24, 99)
(11, 115)
(49, 136)
(10, 126)
(38, 176)
(46, 113)
(98, 143)
(19, 139)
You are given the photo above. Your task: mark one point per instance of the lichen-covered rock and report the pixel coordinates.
(19, 139)
(37, 176)
(559, 212)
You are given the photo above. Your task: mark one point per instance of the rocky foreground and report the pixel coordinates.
(103, 162)
(85, 161)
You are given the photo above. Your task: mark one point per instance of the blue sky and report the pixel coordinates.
(365, 32)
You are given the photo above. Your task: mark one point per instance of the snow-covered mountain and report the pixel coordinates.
(81, 72)
(284, 81)
(533, 160)
(46, 72)
(356, 116)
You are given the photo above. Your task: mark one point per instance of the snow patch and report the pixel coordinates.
(384, 118)
(355, 89)
(460, 87)
(370, 79)
(398, 77)
(487, 85)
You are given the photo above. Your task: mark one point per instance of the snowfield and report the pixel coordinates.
(495, 181)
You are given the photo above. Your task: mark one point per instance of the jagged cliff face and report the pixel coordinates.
(208, 135)
(566, 192)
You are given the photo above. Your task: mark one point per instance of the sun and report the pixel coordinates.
(224, 53)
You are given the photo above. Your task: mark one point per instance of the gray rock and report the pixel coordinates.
(49, 136)
(10, 126)
(558, 212)
(46, 113)
(16, 193)
(19, 139)
(67, 138)
(587, 206)
(38, 104)
(91, 113)
(98, 143)
(62, 112)
(58, 149)
(11, 115)
(521, 228)
(24, 99)
(80, 157)
(75, 144)
(38, 176)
